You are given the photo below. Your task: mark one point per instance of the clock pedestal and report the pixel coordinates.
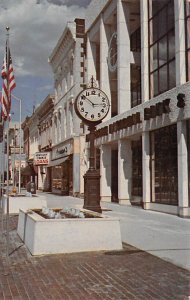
(92, 179)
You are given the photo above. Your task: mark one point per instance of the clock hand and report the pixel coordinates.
(90, 101)
(100, 104)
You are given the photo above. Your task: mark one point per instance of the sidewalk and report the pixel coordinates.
(115, 275)
(163, 235)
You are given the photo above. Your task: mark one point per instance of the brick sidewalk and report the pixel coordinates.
(127, 274)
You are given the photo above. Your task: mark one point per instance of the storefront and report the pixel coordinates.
(62, 169)
(41, 161)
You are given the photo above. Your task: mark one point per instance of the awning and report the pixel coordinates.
(57, 162)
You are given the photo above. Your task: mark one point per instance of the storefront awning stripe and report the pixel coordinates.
(57, 162)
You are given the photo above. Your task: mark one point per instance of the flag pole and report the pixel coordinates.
(8, 117)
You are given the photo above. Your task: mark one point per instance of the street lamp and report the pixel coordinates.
(20, 120)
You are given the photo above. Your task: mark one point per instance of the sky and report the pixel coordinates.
(35, 27)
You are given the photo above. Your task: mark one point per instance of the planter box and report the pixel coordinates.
(47, 236)
(15, 203)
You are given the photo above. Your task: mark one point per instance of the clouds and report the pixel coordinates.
(35, 29)
(83, 3)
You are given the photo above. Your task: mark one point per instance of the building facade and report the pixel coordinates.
(68, 139)
(43, 156)
(139, 52)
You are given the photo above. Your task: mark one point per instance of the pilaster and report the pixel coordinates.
(124, 171)
(123, 56)
(105, 173)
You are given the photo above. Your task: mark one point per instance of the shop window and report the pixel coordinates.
(57, 174)
(161, 46)
(164, 167)
(187, 21)
(136, 168)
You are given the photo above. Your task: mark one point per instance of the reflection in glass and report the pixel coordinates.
(161, 45)
(157, 5)
(188, 33)
(155, 80)
(172, 79)
(171, 45)
(162, 51)
(188, 66)
(155, 55)
(163, 79)
(162, 26)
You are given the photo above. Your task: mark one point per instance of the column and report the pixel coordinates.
(146, 169)
(123, 57)
(91, 62)
(180, 42)
(124, 171)
(182, 169)
(104, 72)
(144, 51)
(105, 173)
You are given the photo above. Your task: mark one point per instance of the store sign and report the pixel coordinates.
(41, 158)
(15, 150)
(62, 151)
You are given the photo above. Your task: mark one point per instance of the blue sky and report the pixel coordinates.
(35, 27)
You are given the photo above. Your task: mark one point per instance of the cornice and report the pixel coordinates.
(68, 36)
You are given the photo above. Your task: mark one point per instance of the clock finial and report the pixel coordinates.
(92, 81)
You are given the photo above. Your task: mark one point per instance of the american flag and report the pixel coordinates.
(8, 84)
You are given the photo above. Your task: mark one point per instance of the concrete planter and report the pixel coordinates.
(48, 236)
(15, 203)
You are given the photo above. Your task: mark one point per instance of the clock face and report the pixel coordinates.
(92, 105)
(112, 53)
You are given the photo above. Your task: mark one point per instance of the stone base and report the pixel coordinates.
(184, 212)
(48, 236)
(125, 202)
(106, 198)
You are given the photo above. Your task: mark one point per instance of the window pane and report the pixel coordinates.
(188, 67)
(153, 58)
(155, 83)
(163, 79)
(150, 32)
(171, 44)
(170, 15)
(188, 33)
(187, 8)
(155, 29)
(162, 27)
(172, 79)
(157, 5)
(162, 51)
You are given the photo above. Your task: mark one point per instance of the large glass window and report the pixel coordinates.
(161, 46)
(187, 10)
(135, 85)
(164, 168)
(135, 44)
(137, 168)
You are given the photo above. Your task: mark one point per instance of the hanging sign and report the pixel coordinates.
(41, 158)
